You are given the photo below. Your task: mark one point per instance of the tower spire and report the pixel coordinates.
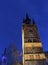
(33, 21)
(27, 20)
(27, 17)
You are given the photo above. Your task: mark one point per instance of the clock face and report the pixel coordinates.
(28, 33)
(29, 36)
(31, 33)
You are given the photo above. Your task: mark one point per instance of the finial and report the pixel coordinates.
(33, 21)
(27, 15)
(27, 19)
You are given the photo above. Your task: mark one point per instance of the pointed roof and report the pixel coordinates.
(27, 17)
(33, 21)
(27, 20)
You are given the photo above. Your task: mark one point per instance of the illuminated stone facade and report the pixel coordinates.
(31, 45)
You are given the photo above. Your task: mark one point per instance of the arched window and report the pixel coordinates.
(37, 56)
(31, 57)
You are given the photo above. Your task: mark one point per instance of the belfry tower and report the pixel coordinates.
(31, 45)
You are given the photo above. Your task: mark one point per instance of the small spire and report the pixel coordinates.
(27, 17)
(33, 21)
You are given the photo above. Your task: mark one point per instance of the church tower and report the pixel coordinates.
(31, 45)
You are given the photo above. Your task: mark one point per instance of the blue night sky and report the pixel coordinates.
(12, 13)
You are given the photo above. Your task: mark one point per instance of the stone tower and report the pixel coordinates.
(31, 45)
